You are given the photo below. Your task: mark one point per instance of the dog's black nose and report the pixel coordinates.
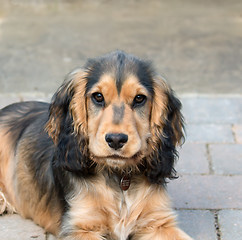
(116, 140)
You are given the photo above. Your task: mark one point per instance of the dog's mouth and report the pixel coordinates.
(121, 158)
(117, 160)
(118, 157)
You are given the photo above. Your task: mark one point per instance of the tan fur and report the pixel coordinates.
(53, 124)
(5, 206)
(144, 210)
(79, 104)
(170, 233)
(32, 206)
(6, 171)
(135, 126)
(15, 197)
(159, 110)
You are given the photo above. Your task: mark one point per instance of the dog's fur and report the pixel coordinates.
(58, 168)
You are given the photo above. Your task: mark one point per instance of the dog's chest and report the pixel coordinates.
(113, 210)
(127, 206)
(124, 223)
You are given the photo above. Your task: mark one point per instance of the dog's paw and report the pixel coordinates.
(5, 206)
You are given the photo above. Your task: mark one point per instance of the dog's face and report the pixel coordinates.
(118, 113)
(118, 120)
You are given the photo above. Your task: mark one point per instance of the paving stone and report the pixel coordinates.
(51, 237)
(211, 109)
(230, 224)
(237, 129)
(199, 224)
(206, 192)
(13, 227)
(192, 159)
(209, 133)
(8, 99)
(226, 158)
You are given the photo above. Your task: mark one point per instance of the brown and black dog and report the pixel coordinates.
(93, 163)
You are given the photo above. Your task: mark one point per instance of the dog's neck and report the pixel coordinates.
(121, 178)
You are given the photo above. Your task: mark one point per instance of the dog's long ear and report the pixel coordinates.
(167, 128)
(67, 124)
(68, 100)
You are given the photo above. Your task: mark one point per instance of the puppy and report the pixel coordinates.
(93, 164)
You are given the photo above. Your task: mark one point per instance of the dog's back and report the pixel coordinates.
(25, 148)
(16, 118)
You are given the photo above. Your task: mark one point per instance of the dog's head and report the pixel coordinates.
(116, 112)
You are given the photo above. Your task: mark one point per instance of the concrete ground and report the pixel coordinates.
(196, 45)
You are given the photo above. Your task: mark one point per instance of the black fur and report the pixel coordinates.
(120, 70)
(145, 74)
(22, 117)
(71, 152)
(163, 159)
(121, 65)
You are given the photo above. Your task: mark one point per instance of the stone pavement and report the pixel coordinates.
(207, 196)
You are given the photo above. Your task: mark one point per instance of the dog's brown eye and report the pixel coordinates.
(139, 100)
(98, 98)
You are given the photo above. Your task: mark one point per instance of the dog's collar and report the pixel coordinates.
(122, 178)
(125, 181)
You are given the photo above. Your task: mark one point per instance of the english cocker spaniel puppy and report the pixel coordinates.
(93, 163)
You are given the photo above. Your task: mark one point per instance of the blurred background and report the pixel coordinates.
(196, 45)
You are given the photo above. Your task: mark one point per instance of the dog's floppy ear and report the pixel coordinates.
(167, 128)
(69, 99)
(67, 124)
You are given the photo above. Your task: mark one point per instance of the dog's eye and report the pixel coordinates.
(139, 100)
(98, 98)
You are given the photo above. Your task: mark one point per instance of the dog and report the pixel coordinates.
(94, 163)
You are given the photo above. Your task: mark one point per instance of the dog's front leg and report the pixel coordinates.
(83, 235)
(85, 219)
(88, 227)
(161, 233)
(156, 220)
(159, 225)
